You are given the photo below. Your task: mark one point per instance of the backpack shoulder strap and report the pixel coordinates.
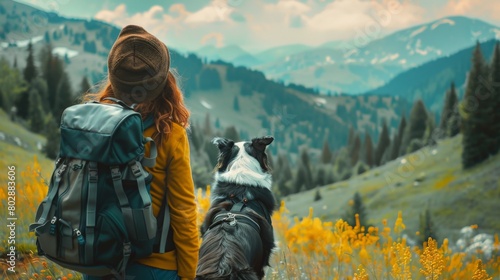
(91, 211)
(165, 224)
(47, 203)
(153, 153)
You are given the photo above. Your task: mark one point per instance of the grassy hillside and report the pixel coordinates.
(429, 178)
(19, 146)
(431, 80)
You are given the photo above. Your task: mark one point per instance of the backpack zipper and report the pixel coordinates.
(53, 225)
(83, 221)
(59, 213)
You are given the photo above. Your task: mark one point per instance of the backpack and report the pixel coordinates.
(97, 215)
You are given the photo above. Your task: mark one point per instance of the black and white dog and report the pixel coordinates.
(237, 231)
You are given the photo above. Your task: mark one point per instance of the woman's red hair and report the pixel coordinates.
(168, 107)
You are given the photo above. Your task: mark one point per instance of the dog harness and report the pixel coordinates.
(234, 218)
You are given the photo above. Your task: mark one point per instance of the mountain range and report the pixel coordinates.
(362, 65)
(84, 45)
(293, 112)
(430, 81)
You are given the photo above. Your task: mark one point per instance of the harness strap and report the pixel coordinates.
(232, 219)
(238, 207)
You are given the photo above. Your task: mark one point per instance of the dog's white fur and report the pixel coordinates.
(244, 169)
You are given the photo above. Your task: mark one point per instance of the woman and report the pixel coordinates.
(138, 71)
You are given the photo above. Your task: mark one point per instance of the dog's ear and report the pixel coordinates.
(222, 143)
(262, 142)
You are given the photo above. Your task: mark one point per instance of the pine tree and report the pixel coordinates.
(35, 114)
(232, 133)
(40, 85)
(305, 168)
(494, 82)
(357, 207)
(320, 176)
(52, 71)
(300, 180)
(386, 157)
(270, 160)
(22, 103)
(350, 138)
(449, 109)
(207, 126)
(426, 228)
(326, 153)
(342, 166)
(476, 111)
(64, 97)
(30, 71)
(84, 85)
(396, 145)
(368, 150)
(430, 135)
(236, 104)
(196, 141)
(2, 99)
(217, 123)
(356, 150)
(284, 176)
(12, 85)
(317, 195)
(52, 133)
(384, 142)
(416, 127)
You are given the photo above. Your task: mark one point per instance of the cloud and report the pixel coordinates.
(314, 22)
(115, 16)
(155, 20)
(351, 15)
(483, 9)
(215, 38)
(217, 11)
(261, 24)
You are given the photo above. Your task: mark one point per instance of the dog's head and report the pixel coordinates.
(243, 162)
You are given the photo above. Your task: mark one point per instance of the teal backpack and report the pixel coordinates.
(98, 215)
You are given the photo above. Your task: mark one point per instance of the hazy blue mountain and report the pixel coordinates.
(336, 44)
(391, 54)
(226, 53)
(431, 80)
(275, 53)
(414, 46)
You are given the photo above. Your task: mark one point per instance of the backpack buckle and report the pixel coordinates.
(136, 170)
(61, 170)
(93, 176)
(115, 173)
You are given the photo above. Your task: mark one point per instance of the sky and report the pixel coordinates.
(257, 25)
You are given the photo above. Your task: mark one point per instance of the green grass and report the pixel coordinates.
(12, 129)
(21, 156)
(431, 178)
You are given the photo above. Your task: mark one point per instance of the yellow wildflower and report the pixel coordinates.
(399, 226)
(432, 260)
(361, 274)
(480, 273)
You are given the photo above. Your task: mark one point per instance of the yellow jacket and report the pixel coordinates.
(173, 170)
